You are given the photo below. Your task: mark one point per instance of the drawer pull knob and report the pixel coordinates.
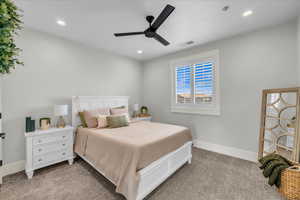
(40, 141)
(64, 144)
(64, 136)
(40, 160)
(40, 150)
(63, 154)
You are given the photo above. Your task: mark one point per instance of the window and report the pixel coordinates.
(195, 84)
(183, 84)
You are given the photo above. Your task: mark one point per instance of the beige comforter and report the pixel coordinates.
(120, 152)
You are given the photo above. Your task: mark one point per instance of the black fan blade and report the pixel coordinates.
(162, 17)
(161, 39)
(128, 34)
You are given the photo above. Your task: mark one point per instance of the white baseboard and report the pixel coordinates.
(230, 151)
(12, 168)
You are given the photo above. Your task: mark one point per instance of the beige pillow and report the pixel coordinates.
(90, 116)
(118, 110)
(102, 121)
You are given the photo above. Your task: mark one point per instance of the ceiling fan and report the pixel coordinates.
(151, 31)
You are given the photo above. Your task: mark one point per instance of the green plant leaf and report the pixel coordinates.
(10, 24)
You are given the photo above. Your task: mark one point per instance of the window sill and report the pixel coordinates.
(199, 111)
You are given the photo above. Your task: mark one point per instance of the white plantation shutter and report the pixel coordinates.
(203, 82)
(196, 84)
(183, 84)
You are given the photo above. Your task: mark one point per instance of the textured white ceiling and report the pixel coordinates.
(93, 22)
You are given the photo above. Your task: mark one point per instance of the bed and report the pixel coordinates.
(136, 158)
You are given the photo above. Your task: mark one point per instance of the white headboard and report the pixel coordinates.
(81, 103)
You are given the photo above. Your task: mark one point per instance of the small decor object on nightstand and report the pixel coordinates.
(60, 111)
(144, 111)
(45, 123)
(30, 124)
(135, 110)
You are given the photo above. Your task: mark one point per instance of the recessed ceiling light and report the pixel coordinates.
(61, 22)
(247, 13)
(139, 51)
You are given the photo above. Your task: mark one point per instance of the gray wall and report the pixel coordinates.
(55, 70)
(248, 63)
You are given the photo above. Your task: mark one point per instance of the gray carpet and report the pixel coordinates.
(211, 176)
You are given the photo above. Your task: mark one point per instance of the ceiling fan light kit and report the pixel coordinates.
(151, 31)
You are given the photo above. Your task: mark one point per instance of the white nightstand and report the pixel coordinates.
(136, 119)
(47, 147)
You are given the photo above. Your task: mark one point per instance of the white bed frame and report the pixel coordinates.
(155, 173)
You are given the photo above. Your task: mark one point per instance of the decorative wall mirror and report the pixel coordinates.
(279, 129)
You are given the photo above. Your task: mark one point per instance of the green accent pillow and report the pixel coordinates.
(117, 121)
(83, 122)
(119, 107)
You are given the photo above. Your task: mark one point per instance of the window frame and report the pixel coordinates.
(213, 108)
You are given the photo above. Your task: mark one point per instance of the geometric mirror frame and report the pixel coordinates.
(279, 127)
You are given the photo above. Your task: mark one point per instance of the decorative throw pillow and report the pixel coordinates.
(102, 121)
(117, 121)
(119, 107)
(90, 116)
(120, 111)
(83, 122)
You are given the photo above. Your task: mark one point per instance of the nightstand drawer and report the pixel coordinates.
(53, 138)
(44, 160)
(46, 148)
